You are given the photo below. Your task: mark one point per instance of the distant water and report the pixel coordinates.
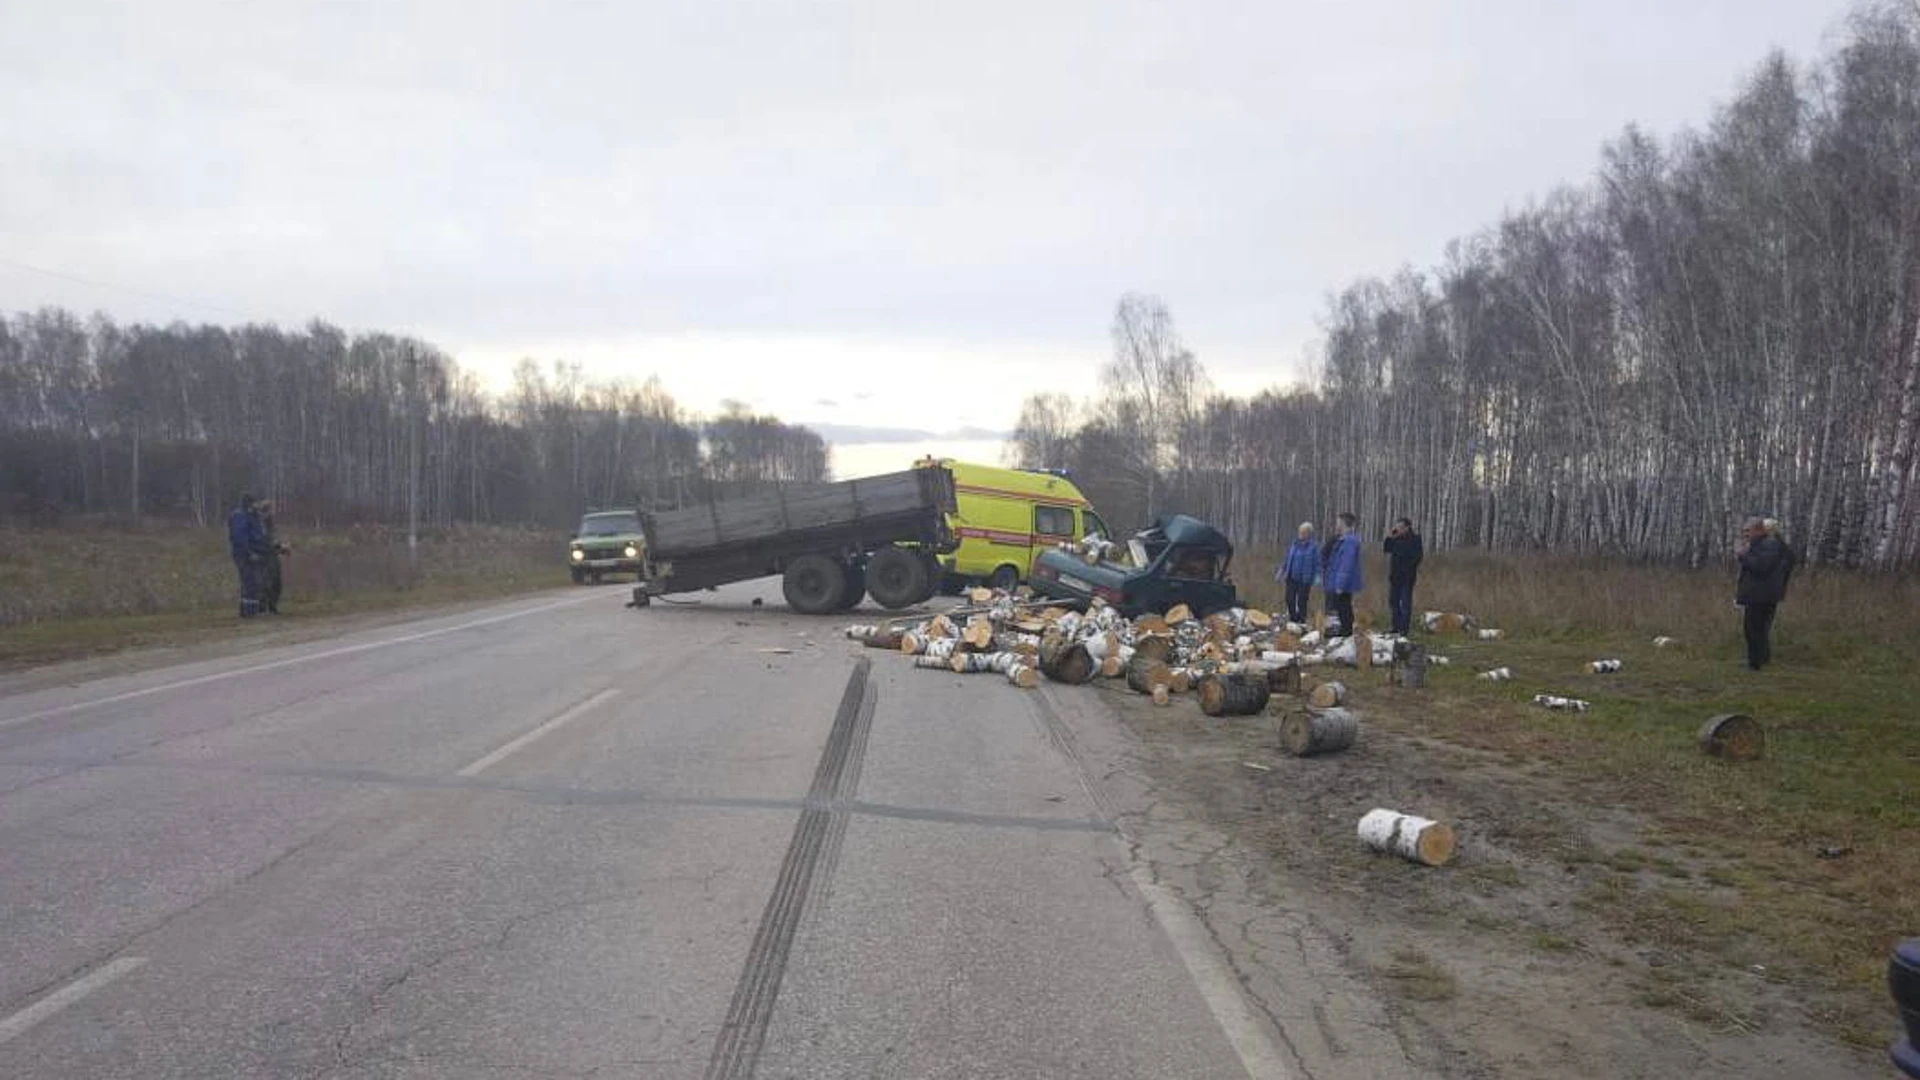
(852, 461)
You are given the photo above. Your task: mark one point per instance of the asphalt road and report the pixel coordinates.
(559, 837)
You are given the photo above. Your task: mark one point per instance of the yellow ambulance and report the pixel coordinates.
(1006, 517)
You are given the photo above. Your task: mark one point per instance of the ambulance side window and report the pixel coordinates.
(1053, 521)
(1094, 525)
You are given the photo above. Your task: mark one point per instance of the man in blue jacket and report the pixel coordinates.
(1343, 576)
(1299, 571)
(246, 541)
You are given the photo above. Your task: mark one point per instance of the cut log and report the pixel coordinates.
(940, 627)
(978, 635)
(1154, 647)
(1160, 696)
(913, 643)
(1233, 695)
(1151, 624)
(1499, 674)
(1102, 645)
(861, 632)
(1416, 839)
(1362, 650)
(1022, 676)
(1490, 634)
(885, 639)
(1734, 736)
(1560, 704)
(1064, 660)
(1284, 678)
(1111, 668)
(1144, 673)
(1178, 614)
(980, 594)
(1181, 682)
(1604, 667)
(1327, 695)
(1306, 732)
(1258, 620)
(1409, 664)
(932, 663)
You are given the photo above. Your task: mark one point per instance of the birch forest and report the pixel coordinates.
(1718, 323)
(176, 421)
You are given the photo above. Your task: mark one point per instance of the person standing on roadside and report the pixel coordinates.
(271, 550)
(1343, 577)
(245, 538)
(1766, 562)
(1299, 572)
(1404, 552)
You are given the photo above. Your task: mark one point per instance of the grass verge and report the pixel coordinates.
(104, 587)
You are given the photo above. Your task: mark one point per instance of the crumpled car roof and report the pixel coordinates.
(1181, 529)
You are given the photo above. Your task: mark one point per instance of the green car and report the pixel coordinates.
(609, 542)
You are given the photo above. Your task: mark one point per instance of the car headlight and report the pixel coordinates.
(579, 555)
(632, 552)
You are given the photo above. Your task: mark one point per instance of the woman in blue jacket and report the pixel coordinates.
(1299, 572)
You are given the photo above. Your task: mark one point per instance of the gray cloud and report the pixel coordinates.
(491, 174)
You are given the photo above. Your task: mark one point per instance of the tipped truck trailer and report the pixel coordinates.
(832, 543)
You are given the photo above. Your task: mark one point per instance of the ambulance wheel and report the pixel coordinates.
(1005, 578)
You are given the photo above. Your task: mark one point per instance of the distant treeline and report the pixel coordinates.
(177, 420)
(1724, 323)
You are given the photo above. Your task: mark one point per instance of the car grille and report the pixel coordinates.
(615, 551)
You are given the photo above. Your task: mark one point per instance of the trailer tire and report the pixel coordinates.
(814, 584)
(856, 590)
(896, 578)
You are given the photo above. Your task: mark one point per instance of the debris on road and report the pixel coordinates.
(1664, 642)
(1415, 839)
(1444, 622)
(1499, 674)
(1489, 634)
(1604, 667)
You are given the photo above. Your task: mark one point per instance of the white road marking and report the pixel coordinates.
(17, 1024)
(1218, 986)
(327, 654)
(582, 707)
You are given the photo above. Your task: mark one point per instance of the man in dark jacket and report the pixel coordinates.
(245, 541)
(1342, 577)
(1299, 571)
(1404, 553)
(1765, 565)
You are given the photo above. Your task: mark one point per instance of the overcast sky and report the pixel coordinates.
(877, 212)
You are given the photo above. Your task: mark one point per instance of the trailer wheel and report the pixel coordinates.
(814, 584)
(856, 589)
(896, 577)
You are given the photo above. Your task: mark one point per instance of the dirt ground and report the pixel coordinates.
(1535, 953)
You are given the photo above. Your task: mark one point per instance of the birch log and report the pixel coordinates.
(1416, 839)
(1304, 732)
(1328, 694)
(1734, 736)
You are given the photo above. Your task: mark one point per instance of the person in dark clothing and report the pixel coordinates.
(270, 570)
(1766, 563)
(245, 539)
(1342, 577)
(1404, 552)
(1299, 571)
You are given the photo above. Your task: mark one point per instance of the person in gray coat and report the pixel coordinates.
(1766, 564)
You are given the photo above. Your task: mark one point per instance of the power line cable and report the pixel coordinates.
(147, 293)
